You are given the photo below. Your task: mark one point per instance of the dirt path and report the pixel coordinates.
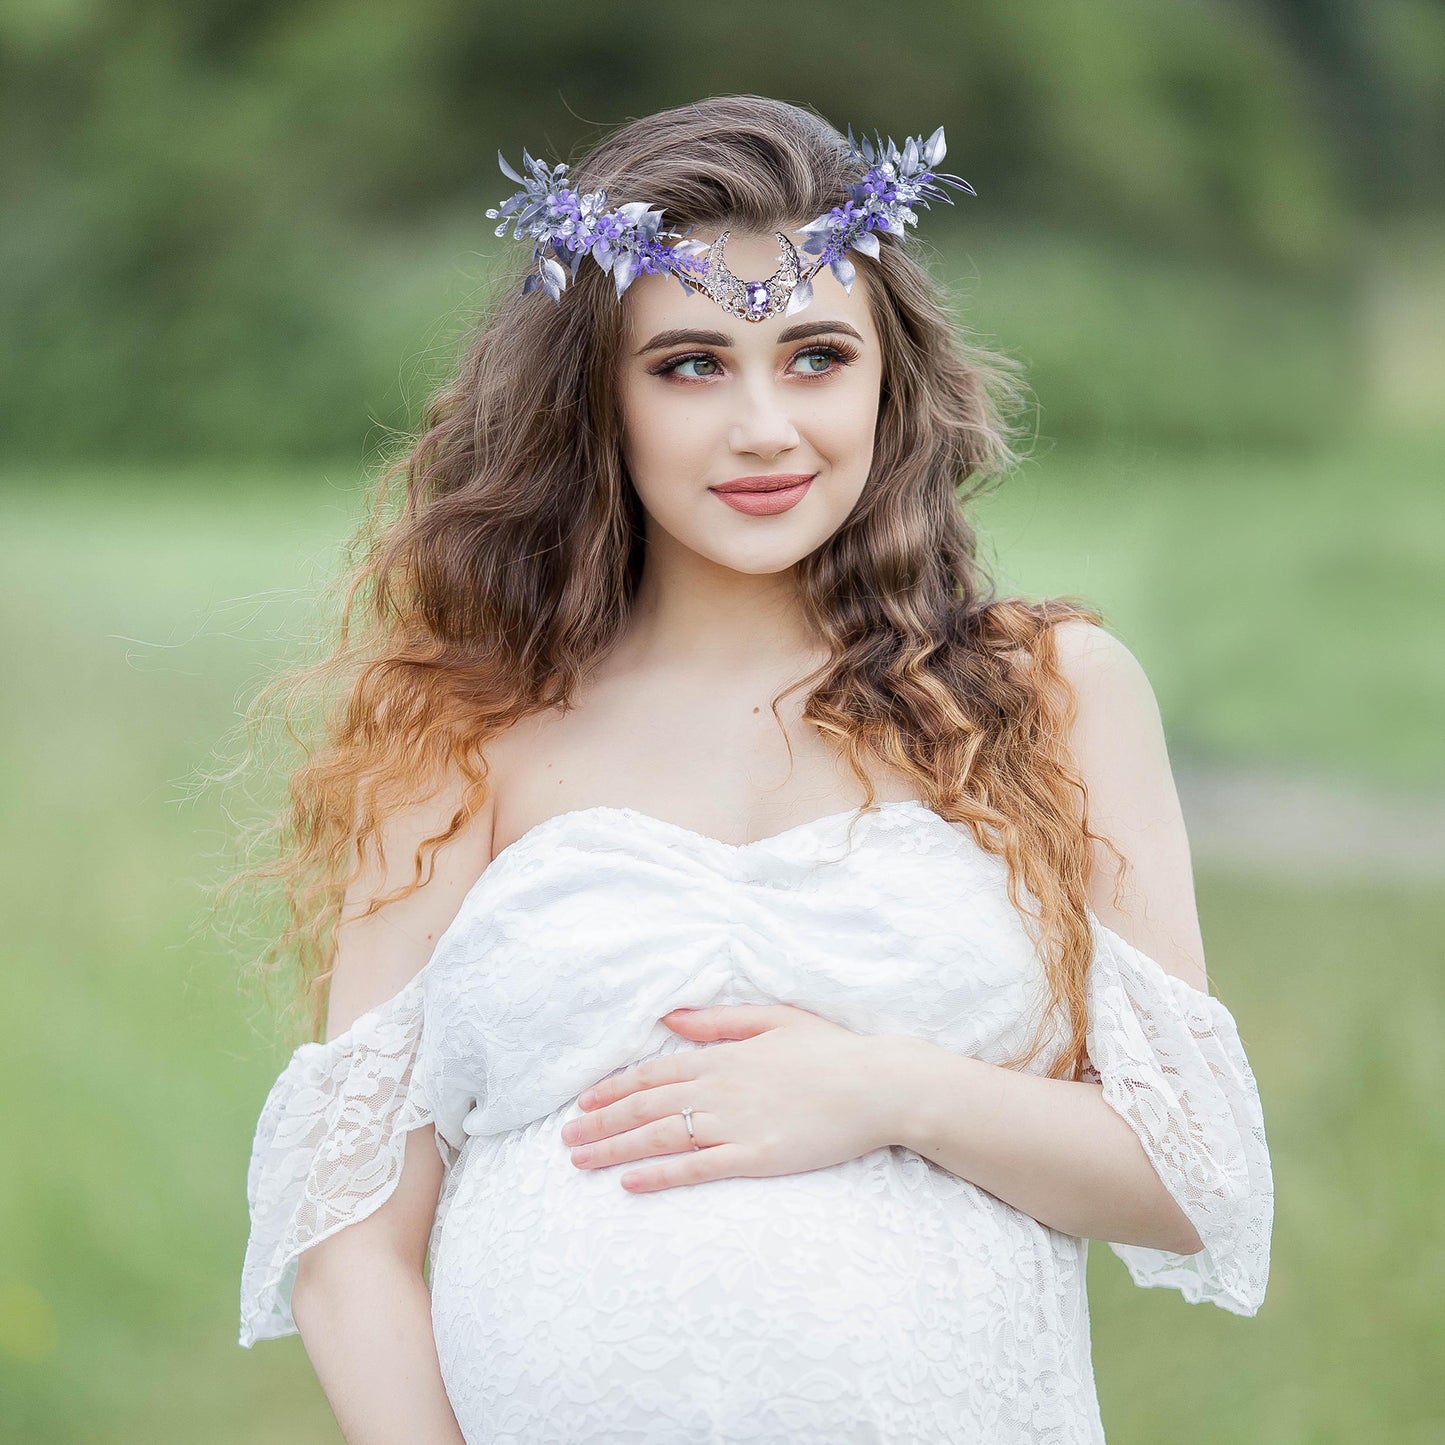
(1303, 827)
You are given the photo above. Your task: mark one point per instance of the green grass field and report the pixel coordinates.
(1281, 606)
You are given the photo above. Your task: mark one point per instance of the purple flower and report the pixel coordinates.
(628, 241)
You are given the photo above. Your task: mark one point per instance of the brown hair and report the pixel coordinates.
(511, 561)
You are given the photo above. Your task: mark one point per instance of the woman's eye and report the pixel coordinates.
(832, 358)
(817, 361)
(825, 355)
(676, 367)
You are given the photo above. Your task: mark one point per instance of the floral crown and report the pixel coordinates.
(627, 240)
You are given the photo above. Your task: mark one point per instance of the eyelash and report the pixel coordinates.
(841, 352)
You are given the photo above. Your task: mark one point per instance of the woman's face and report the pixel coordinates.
(708, 398)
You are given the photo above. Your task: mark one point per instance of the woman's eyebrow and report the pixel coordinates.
(723, 341)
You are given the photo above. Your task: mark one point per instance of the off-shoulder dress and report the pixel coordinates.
(882, 1299)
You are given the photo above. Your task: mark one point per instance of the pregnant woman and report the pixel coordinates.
(748, 958)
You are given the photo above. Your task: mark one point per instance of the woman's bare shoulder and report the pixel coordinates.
(379, 949)
(1117, 742)
(1083, 646)
(1079, 646)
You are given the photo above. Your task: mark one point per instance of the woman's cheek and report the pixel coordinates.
(674, 434)
(849, 431)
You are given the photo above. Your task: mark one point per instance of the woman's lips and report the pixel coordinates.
(765, 504)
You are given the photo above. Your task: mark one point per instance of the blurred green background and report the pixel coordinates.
(241, 244)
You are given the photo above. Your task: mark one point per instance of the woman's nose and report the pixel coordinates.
(763, 425)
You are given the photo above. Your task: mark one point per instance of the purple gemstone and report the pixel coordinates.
(757, 296)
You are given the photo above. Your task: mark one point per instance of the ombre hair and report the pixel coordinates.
(505, 546)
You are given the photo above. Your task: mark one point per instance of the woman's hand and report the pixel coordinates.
(795, 1092)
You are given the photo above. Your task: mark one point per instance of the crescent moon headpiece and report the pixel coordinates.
(628, 241)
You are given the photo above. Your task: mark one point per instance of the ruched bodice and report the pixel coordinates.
(881, 1299)
(596, 923)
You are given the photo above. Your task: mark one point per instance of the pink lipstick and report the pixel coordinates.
(764, 496)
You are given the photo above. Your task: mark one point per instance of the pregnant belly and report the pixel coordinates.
(834, 1305)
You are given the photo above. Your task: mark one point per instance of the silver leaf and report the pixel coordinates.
(867, 243)
(802, 296)
(933, 152)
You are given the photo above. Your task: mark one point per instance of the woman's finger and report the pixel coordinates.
(633, 1113)
(722, 1161)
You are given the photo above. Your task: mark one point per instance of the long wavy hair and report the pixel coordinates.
(505, 545)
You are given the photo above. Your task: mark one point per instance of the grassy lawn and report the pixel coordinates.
(1285, 608)
(1280, 606)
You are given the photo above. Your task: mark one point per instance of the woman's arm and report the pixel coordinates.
(360, 1299)
(1050, 1147)
(363, 1310)
(374, 1353)
(1054, 1148)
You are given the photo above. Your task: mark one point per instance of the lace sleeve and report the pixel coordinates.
(1171, 1063)
(329, 1148)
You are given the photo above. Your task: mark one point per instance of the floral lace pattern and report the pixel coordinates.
(328, 1150)
(1171, 1062)
(882, 1299)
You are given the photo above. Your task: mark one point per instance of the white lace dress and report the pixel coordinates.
(882, 1299)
